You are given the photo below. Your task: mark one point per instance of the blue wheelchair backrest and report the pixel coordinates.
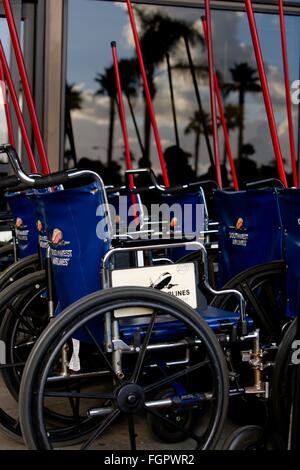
(250, 230)
(25, 223)
(289, 204)
(78, 234)
(193, 220)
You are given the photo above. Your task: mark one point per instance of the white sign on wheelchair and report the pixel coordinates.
(178, 280)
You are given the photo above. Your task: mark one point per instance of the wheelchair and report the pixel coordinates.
(27, 305)
(21, 255)
(110, 345)
(150, 354)
(121, 339)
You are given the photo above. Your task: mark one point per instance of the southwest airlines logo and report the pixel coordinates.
(239, 224)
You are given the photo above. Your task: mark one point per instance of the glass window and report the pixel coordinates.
(4, 36)
(93, 129)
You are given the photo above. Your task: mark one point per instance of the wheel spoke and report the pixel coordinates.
(11, 366)
(23, 345)
(93, 396)
(74, 404)
(132, 435)
(99, 349)
(168, 421)
(141, 357)
(25, 332)
(16, 423)
(23, 321)
(175, 376)
(100, 430)
(258, 307)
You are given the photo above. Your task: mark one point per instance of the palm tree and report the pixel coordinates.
(73, 101)
(160, 36)
(196, 125)
(245, 80)
(107, 83)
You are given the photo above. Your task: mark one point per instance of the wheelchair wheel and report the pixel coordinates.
(264, 292)
(17, 304)
(18, 270)
(282, 380)
(24, 306)
(26, 316)
(117, 391)
(246, 438)
(6, 256)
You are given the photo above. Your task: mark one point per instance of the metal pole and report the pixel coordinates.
(223, 119)
(25, 81)
(212, 95)
(148, 95)
(17, 108)
(288, 94)
(266, 92)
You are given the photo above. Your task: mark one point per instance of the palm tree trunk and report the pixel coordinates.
(199, 102)
(147, 132)
(225, 153)
(241, 130)
(197, 151)
(112, 113)
(135, 124)
(147, 123)
(70, 134)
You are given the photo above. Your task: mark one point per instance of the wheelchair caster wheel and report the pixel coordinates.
(246, 438)
(184, 417)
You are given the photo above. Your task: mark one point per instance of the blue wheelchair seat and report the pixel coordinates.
(166, 327)
(216, 318)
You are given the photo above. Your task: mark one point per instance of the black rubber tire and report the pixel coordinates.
(245, 438)
(20, 269)
(18, 287)
(6, 251)
(58, 332)
(7, 423)
(28, 289)
(280, 393)
(18, 293)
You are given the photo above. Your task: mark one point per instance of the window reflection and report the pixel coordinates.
(4, 36)
(93, 131)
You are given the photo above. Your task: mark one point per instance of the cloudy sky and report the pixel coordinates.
(93, 25)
